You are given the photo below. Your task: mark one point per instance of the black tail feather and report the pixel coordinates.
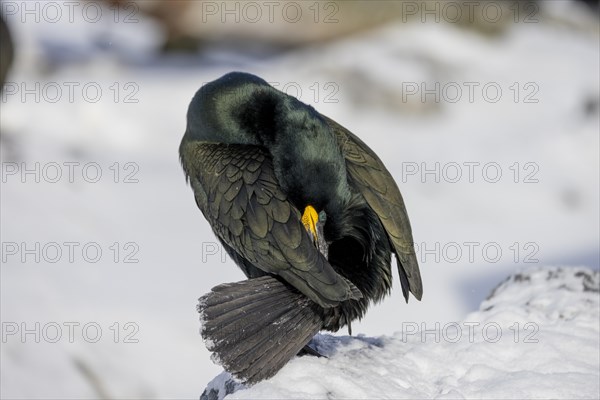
(254, 327)
(250, 334)
(284, 341)
(226, 319)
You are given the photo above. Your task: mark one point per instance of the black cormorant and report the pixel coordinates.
(306, 210)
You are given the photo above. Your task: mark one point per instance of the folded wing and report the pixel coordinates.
(368, 175)
(236, 189)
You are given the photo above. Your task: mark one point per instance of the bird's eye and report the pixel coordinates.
(322, 217)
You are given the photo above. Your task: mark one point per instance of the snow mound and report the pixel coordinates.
(535, 336)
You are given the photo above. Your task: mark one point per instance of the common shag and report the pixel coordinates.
(306, 210)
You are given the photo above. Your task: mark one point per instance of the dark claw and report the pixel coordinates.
(309, 351)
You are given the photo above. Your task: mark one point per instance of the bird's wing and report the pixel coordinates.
(237, 191)
(370, 177)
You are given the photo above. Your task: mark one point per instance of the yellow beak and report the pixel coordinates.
(314, 227)
(310, 218)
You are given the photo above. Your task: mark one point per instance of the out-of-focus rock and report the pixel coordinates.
(192, 24)
(6, 51)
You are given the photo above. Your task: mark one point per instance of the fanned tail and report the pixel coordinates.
(254, 327)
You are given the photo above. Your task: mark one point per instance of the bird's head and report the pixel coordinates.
(240, 108)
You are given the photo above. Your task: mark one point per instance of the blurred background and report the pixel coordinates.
(486, 113)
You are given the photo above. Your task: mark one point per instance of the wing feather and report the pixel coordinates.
(369, 176)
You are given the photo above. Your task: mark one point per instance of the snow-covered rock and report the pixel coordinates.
(536, 336)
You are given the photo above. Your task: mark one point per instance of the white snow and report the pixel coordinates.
(535, 338)
(553, 221)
